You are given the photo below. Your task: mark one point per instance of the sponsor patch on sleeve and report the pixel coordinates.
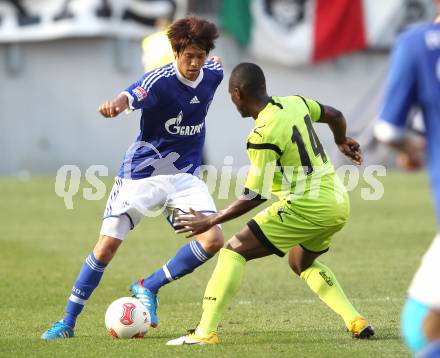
(140, 93)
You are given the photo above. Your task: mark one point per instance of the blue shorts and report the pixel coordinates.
(411, 324)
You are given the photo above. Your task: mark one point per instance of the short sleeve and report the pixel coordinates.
(315, 108)
(143, 93)
(400, 92)
(263, 156)
(157, 51)
(216, 69)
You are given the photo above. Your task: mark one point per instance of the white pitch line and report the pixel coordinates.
(313, 300)
(303, 301)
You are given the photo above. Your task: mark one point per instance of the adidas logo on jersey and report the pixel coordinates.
(194, 100)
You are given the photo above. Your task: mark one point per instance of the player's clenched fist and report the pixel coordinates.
(112, 108)
(216, 59)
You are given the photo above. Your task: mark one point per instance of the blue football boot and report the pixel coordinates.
(58, 330)
(148, 299)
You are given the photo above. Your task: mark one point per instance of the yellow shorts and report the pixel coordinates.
(280, 227)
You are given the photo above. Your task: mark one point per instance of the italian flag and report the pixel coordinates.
(305, 31)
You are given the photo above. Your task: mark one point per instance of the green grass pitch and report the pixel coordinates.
(274, 314)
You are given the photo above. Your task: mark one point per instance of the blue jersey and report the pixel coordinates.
(414, 80)
(172, 126)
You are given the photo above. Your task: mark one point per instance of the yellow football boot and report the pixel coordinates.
(360, 328)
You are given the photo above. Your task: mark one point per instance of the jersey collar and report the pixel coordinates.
(185, 81)
(261, 117)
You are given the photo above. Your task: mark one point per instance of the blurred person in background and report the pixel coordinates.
(149, 12)
(156, 48)
(24, 17)
(159, 171)
(103, 9)
(414, 80)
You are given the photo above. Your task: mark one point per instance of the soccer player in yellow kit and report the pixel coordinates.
(156, 51)
(313, 204)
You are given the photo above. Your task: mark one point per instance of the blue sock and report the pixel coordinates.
(87, 280)
(186, 260)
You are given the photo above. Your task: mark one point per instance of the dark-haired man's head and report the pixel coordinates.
(247, 87)
(192, 39)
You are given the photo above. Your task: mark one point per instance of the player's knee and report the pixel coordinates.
(234, 243)
(103, 254)
(212, 244)
(237, 244)
(215, 245)
(300, 267)
(106, 248)
(295, 265)
(296, 268)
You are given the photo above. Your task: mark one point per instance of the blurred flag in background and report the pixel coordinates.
(302, 31)
(42, 20)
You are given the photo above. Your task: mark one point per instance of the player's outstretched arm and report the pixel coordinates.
(111, 109)
(197, 223)
(338, 125)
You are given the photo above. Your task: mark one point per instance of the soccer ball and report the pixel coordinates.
(127, 317)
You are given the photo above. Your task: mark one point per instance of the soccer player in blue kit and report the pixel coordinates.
(159, 170)
(414, 80)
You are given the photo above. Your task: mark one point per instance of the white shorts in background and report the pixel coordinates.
(425, 286)
(151, 197)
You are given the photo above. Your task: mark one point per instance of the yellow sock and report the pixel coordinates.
(322, 281)
(222, 286)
